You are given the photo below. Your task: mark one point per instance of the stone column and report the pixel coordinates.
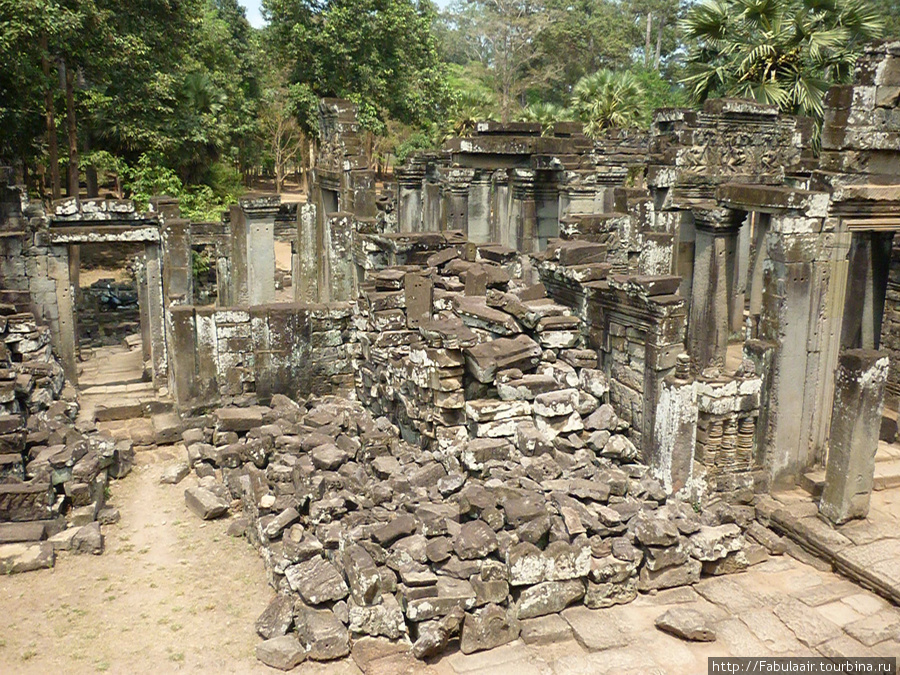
(182, 356)
(409, 201)
(478, 218)
(675, 429)
(709, 327)
(240, 294)
(306, 285)
(456, 198)
(156, 314)
(339, 274)
(260, 232)
(523, 213)
(855, 426)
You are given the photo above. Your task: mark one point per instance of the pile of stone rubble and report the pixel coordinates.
(53, 473)
(365, 534)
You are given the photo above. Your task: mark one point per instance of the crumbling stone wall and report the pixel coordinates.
(223, 352)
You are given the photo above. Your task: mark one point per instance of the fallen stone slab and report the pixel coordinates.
(204, 503)
(175, 473)
(284, 652)
(16, 558)
(687, 624)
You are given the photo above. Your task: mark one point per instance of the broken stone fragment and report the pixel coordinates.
(328, 457)
(385, 618)
(687, 624)
(451, 594)
(88, 539)
(16, 558)
(652, 531)
(475, 540)
(548, 597)
(603, 418)
(713, 543)
(362, 575)
(175, 473)
(204, 503)
(319, 631)
(435, 635)
(486, 628)
(284, 652)
(278, 524)
(400, 526)
(276, 618)
(317, 581)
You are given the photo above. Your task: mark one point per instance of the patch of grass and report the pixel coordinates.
(177, 657)
(103, 665)
(28, 654)
(175, 627)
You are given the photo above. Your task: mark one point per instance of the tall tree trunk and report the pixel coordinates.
(647, 40)
(90, 171)
(659, 37)
(73, 132)
(52, 143)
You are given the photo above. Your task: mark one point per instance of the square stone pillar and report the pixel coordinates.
(456, 197)
(709, 326)
(855, 426)
(306, 284)
(675, 429)
(260, 246)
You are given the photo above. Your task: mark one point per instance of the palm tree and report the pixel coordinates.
(547, 114)
(781, 52)
(608, 99)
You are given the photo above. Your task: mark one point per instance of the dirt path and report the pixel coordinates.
(170, 594)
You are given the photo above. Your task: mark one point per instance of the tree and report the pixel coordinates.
(782, 52)
(502, 36)
(283, 133)
(380, 53)
(608, 99)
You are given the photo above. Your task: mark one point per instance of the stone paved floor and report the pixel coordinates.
(782, 607)
(866, 550)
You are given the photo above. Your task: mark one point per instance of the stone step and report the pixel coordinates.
(130, 408)
(813, 482)
(887, 475)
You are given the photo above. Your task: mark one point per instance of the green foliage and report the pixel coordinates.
(785, 53)
(381, 54)
(421, 140)
(608, 99)
(149, 177)
(200, 263)
(545, 113)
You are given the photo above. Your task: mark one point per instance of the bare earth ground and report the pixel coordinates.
(170, 594)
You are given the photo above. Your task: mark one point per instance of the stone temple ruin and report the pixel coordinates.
(536, 371)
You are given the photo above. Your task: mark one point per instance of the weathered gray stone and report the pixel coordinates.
(475, 540)
(385, 618)
(687, 624)
(175, 473)
(276, 618)
(320, 632)
(204, 503)
(88, 539)
(317, 581)
(486, 628)
(549, 597)
(284, 652)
